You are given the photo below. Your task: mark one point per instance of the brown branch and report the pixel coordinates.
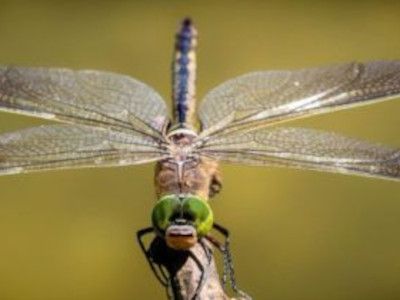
(192, 274)
(198, 275)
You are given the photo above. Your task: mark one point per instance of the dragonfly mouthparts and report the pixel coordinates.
(181, 230)
(181, 237)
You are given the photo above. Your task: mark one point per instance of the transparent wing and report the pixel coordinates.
(73, 146)
(306, 149)
(258, 99)
(82, 97)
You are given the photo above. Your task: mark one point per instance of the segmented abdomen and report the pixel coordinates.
(184, 73)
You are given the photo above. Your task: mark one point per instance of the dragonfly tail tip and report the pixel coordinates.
(187, 21)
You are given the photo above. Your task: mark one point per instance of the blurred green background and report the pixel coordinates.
(295, 234)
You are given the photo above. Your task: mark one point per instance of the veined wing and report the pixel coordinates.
(258, 99)
(72, 146)
(87, 97)
(306, 149)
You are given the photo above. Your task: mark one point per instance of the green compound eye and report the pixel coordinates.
(190, 210)
(164, 211)
(199, 212)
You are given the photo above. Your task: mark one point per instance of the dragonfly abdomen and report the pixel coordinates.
(184, 73)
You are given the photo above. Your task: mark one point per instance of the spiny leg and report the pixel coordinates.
(157, 261)
(217, 244)
(160, 274)
(202, 276)
(228, 271)
(203, 270)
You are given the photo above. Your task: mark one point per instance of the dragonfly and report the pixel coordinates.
(111, 120)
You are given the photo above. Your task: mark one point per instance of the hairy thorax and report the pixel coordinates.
(184, 174)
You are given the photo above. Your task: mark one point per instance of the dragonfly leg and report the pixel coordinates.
(156, 267)
(163, 260)
(222, 248)
(229, 271)
(203, 270)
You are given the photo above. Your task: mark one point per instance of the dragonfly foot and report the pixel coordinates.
(228, 272)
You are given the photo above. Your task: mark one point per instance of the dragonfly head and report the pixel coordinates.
(182, 220)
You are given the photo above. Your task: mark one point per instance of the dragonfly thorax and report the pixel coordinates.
(184, 171)
(181, 144)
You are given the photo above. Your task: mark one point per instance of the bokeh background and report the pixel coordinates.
(295, 234)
